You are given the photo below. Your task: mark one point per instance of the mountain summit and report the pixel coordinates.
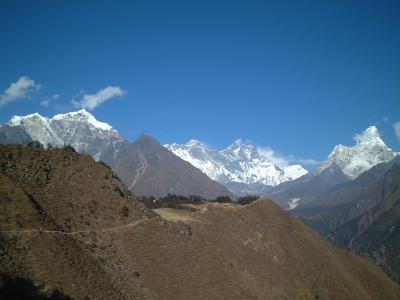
(84, 116)
(368, 151)
(344, 164)
(145, 166)
(78, 129)
(237, 166)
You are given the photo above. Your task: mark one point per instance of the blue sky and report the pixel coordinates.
(297, 76)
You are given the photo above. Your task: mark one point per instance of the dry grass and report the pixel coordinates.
(67, 223)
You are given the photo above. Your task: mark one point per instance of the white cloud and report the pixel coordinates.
(18, 90)
(92, 101)
(51, 100)
(283, 161)
(396, 127)
(273, 157)
(44, 103)
(303, 161)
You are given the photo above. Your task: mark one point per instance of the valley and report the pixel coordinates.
(63, 211)
(346, 189)
(199, 150)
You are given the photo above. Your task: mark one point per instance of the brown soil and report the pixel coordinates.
(68, 224)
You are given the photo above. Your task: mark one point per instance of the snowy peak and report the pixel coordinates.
(77, 116)
(238, 163)
(37, 127)
(82, 116)
(239, 145)
(368, 151)
(20, 120)
(194, 143)
(80, 129)
(369, 136)
(241, 151)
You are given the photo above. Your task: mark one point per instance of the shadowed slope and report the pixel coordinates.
(54, 206)
(376, 232)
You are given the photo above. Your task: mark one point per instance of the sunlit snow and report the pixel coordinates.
(368, 151)
(239, 162)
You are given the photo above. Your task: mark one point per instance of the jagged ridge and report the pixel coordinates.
(79, 129)
(238, 163)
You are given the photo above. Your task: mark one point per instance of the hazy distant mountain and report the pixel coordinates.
(241, 167)
(13, 135)
(147, 168)
(70, 228)
(342, 165)
(354, 198)
(78, 129)
(344, 202)
(373, 223)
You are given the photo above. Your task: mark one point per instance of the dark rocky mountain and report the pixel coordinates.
(307, 189)
(347, 201)
(246, 189)
(361, 215)
(373, 227)
(70, 228)
(148, 168)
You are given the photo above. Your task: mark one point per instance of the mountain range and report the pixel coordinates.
(144, 165)
(241, 167)
(72, 230)
(362, 215)
(149, 169)
(78, 129)
(344, 164)
(351, 198)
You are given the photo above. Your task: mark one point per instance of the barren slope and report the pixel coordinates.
(69, 225)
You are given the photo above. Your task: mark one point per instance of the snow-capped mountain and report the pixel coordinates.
(38, 128)
(343, 165)
(368, 151)
(239, 163)
(79, 129)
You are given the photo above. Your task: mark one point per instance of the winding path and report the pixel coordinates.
(116, 228)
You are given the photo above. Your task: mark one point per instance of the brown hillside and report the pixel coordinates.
(68, 224)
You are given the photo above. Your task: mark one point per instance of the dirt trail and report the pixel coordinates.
(28, 231)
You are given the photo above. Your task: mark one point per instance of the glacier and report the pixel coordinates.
(79, 129)
(239, 163)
